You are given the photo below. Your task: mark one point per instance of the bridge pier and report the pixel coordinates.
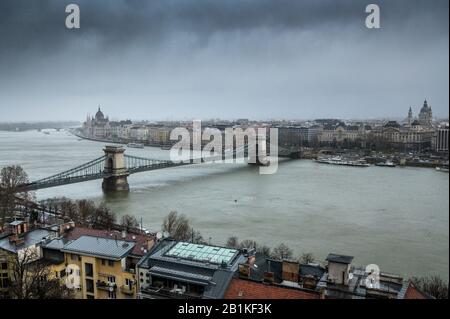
(116, 170)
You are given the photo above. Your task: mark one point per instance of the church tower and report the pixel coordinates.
(410, 116)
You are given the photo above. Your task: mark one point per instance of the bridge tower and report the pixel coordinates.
(261, 147)
(116, 169)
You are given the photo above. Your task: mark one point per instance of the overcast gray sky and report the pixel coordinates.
(260, 59)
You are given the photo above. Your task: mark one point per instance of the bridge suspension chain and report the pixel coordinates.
(93, 167)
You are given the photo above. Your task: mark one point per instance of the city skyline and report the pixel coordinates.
(202, 59)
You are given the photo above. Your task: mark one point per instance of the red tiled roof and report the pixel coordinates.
(246, 289)
(142, 241)
(413, 293)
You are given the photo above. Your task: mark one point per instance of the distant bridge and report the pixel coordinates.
(114, 167)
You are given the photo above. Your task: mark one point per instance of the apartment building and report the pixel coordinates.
(97, 264)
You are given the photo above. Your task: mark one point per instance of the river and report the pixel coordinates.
(397, 218)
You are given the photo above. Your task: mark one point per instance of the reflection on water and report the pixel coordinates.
(395, 217)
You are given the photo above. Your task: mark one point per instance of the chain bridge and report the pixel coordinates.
(115, 166)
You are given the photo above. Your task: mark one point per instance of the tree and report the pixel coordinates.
(11, 178)
(102, 218)
(232, 242)
(282, 252)
(197, 238)
(248, 244)
(177, 226)
(264, 251)
(86, 208)
(129, 222)
(433, 285)
(69, 209)
(31, 278)
(306, 258)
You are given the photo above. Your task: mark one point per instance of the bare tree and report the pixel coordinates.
(248, 244)
(102, 218)
(264, 251)
(86, 208)
(197, 238)
(70, 210)
(232, 242)
(129, 222)
(306, 258)
(177, 226)
(282, 252)
(11, 178)
(433, 285)
(31, 278)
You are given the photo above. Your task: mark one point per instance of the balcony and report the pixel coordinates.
(104, 285)
(127, 290)
(169, 293)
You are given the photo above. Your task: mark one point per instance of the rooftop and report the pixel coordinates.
(142, 242)
(29, 239)
(212, 267)
(99, 247)
(341, 259)
(202, 253)
(248, 289)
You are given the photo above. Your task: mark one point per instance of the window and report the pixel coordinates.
(88, 269)
(112, 295)
(74, 257)
(89, 285)
(4, 282)
(4, 266)
(103, 262)
(111, 263)
(111, 279)
(90, 297)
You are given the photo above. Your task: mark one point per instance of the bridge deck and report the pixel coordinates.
(95, 169)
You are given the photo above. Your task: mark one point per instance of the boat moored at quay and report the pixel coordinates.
(343, 162)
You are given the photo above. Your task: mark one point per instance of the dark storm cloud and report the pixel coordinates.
(199, 57)
(40, 24)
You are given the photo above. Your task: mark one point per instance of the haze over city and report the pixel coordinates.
(176, 60)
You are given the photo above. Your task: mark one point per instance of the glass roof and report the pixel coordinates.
(203, 253)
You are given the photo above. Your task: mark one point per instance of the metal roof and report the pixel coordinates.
(99, 247)
(171, 273)
(29, 239)
(56, 243)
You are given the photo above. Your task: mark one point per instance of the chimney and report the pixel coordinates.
(244, 270)
(250, 254)
(269, 277)
(18, 227)
(290, 271)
